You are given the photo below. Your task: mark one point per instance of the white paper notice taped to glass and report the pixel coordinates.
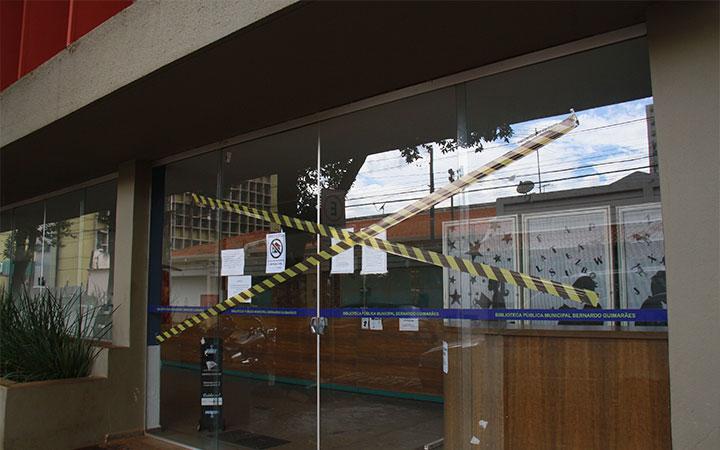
(445, 357)
(374, 261)
(376, 324)
(345, 261)
(237, 284)
(275, 246)
(412, 324)
(232, 262)
(211, 401)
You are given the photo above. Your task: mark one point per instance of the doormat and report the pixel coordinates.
(251, 440)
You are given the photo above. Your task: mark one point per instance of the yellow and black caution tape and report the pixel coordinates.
(426, 256)
(525, 148)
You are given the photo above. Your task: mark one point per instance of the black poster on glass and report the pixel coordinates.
(211, 384)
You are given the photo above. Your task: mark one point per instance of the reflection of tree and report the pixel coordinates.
(333, 175)
(474, 139)
(24, 241)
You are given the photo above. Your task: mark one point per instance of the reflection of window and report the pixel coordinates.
(192, 225)
(44, 270)
(102, 232)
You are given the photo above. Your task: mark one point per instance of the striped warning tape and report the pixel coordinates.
(426, 256)
(525, 148)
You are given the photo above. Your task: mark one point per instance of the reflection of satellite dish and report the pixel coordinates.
(525, 186)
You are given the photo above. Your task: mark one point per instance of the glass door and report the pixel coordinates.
(242, 377)
(382, 351)
(270, 350)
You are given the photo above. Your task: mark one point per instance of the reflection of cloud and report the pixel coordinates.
(605, 138)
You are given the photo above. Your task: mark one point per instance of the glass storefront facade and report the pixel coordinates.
(522, 308)
(64, 244)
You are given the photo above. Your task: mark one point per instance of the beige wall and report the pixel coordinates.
(683, 41)
(137, 41)
(126, 364)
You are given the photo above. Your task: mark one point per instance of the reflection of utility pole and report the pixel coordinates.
(537, 154)
(451, 178)
(432, 189)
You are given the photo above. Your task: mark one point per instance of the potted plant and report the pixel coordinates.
(49, 342)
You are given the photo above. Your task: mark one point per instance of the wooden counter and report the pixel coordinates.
(536, 388)
(387, 361)
(570, 388)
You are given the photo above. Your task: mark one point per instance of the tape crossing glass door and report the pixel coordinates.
(525, 148)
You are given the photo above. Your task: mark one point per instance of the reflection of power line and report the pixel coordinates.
(511, 177)
(403, 165)
(519, 138)
(555, 180)
(609, 125)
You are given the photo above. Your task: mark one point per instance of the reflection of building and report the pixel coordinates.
(594, 252)
(67, 254)
(5, 263)
(191, 225)
(194, 269)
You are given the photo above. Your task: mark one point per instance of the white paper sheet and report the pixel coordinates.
(376, 324)
(374, 261)
(275, 251)
(345, 261)
(365, 323)
(445, 357)
(237, 284)
(211, 401)
(232, 262)
(410, 324)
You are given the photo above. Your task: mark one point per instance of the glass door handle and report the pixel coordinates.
(318, 325)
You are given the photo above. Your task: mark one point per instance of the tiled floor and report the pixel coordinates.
(348, 420)
(136, 443)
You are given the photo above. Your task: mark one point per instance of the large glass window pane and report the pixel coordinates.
(190, 283)
(268, 361)
(97, 250)
(6, 235)
(270, 356)
(578, 220)
(381, 360)
(24, 247)
(65, 244)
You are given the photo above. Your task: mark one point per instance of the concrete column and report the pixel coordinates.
(126, 363)
(683, 44)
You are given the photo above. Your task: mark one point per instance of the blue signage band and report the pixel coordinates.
(585, 315)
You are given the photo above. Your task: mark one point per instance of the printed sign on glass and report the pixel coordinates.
(571, 247)
(345, 261)
(491, 240)
(641, 247)
(276, 251)
(232, 262)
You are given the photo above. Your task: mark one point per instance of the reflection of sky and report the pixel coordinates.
(611, 141)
